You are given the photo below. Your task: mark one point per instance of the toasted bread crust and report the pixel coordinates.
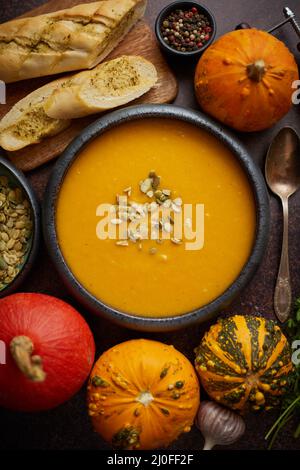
(72, 39)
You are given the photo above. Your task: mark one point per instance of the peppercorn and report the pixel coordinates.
(186, 30)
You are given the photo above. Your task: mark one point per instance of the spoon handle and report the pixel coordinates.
(283, 291)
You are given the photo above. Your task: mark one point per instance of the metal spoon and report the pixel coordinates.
(282, 171)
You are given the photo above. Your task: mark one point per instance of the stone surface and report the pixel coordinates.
(68, 427)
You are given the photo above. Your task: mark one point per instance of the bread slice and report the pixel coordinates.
(27, 123)
(109, 85)
(50, 109)
(73, 39)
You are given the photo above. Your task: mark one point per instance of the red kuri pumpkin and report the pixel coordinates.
(49, 352)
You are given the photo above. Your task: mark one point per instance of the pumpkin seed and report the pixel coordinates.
(166, 192)
(127, 191)
(4, 236)
(167, 203)
(10, 244)
(176, 241)
(20, 224)
(155, 179)
(122, 243)
(146, 185)
(3, 264)
(176, 208)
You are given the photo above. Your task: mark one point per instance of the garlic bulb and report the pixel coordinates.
(219, 425)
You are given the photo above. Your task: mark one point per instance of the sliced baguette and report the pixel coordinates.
(72, 39)
(27, 123)
(108, 86)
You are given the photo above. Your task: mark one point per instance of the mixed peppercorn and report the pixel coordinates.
(186, 30)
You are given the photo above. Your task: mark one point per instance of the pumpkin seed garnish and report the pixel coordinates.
(128, 210)
(155, 179)
(165, 411)
(178, 201)
(122, 243)
(146, 185)
(176, 208)
(167, 203)
(176, 241)
(127, 191)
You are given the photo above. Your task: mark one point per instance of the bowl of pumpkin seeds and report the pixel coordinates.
(19, 227)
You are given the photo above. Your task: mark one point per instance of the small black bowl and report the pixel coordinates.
(185, 6)
(96, 129)
(16, 178)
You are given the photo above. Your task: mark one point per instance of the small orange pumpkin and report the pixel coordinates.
(245, 80)
(142, 394)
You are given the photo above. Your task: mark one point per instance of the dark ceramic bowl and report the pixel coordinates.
(135, 113)
(17, 179)
(185, 6)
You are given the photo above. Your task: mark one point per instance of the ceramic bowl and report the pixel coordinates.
(136, 113)
(185, 6)
(17, 179)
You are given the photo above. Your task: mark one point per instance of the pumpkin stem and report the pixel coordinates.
(21, 348)
(256, 70)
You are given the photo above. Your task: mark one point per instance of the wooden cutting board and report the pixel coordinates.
(139, 41)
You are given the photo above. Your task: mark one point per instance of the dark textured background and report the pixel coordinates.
(68, 427)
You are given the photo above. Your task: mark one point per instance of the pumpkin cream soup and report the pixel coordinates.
(162, 167)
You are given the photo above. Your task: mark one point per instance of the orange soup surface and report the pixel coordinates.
(149, 277)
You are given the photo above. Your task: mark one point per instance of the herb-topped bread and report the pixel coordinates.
(109, 85)
(27, 123)
(73, 39)
(50, 109)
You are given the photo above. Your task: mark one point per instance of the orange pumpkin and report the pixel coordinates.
(142, 395)
(245, 80)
